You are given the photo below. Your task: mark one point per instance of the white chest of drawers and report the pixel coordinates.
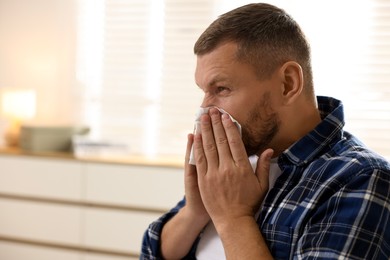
(64, 208)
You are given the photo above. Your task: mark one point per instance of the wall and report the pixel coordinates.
(37, 50)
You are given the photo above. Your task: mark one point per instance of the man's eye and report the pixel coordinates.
(222, 89)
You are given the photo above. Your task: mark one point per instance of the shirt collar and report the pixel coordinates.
(319, 139)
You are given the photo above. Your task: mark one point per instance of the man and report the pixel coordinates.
(316, 193)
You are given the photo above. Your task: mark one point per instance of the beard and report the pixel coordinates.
(261, 126)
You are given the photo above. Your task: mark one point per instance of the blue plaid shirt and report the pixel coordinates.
(332, 200)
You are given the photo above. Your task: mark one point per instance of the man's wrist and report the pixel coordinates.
(194, 217)
(242, 239)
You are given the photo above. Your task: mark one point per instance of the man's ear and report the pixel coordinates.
(292, 77)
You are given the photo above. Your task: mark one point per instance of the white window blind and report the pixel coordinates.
(136, 65)
(147, 96)
(351, 61)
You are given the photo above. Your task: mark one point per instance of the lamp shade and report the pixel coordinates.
(19, 104)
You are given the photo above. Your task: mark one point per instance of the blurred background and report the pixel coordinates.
(125, 68)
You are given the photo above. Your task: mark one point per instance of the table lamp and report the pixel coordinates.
(17, 106)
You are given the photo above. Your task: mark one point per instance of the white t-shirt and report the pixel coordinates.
(210, 245)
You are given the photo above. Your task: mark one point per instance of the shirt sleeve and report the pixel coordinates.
(353, 223)
(151, 240)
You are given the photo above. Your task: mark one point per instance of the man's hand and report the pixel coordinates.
(194, 204)
(186, 225)
(230, 191)
(228, 186)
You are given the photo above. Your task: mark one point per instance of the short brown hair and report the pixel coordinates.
(266, 36)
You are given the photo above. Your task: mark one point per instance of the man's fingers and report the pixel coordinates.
(263, 167)
(206, 149)
(221, 141)
(236, 145)
(190, 141)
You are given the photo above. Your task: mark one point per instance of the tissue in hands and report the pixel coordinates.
(197, 128)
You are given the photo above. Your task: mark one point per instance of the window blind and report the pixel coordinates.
(138, 68)
(147, 96)
(351, 58)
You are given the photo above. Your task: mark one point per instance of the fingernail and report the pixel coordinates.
(225, 116)
(213, 111)
(270, 155)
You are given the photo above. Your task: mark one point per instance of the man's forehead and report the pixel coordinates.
(210, 78)
(213, 67)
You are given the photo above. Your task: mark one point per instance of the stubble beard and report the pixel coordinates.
(261, 127)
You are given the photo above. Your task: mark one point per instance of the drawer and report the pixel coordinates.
(15, 251)
(26, 176)
(20, 251)
(91, 256)
(134, 186)
(40, 222)
(116, 230)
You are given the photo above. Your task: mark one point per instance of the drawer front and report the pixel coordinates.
(116, 230)
(26, 176)
(15, 251)
(40, 222)
(135, 186)
(91, 256)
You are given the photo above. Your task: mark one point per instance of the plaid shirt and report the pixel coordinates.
(332, 200)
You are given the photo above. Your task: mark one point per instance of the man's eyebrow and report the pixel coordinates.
(217, 79)
(214, 81)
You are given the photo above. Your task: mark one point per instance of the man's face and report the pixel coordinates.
(234, 87)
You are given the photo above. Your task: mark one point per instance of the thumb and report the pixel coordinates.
(263, 167)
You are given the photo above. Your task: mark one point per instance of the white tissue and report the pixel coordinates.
(197, 128)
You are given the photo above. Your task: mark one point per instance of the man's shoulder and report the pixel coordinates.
(353, 148)
(350, 155)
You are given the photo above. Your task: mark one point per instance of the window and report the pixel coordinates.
(141, 90)
(136, 66)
